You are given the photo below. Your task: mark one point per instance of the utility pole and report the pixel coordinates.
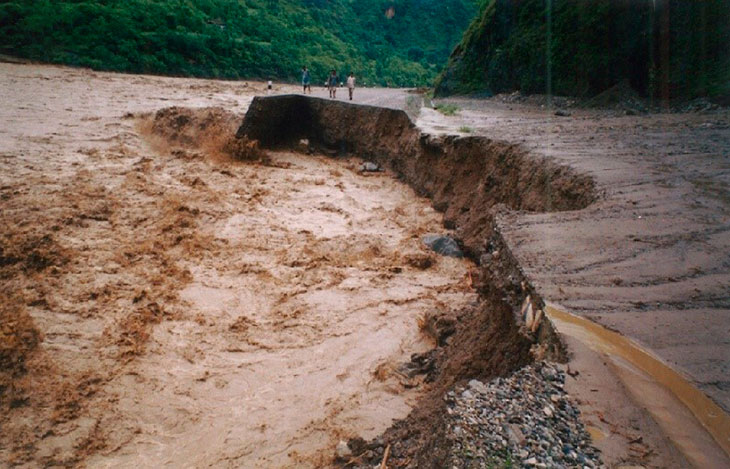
(664, 53)
(549, 53)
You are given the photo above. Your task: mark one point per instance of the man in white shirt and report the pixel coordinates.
(350, 84)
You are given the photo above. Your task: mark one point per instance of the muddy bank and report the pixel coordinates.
(470, 180)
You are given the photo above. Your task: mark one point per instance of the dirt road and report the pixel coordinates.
(652, 258)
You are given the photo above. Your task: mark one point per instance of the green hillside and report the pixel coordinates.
(395, 42)
(662, 48)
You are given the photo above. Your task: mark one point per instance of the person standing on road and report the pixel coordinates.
(306, 81)
(351, 84)
(332, 83)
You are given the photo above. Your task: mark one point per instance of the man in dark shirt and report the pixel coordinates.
(332, 82)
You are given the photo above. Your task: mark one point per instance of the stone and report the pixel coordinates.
(444, 245)
(370, 167)
(477, 385)
(357, 445)
(537, 320)
(529, 316)
(523, 309)
(343, 451)
(549, 373)
(516, 435)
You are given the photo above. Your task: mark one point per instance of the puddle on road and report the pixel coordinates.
(677, 406)
(595, 433)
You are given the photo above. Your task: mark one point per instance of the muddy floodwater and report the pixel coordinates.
(186, 310)
(298, 323)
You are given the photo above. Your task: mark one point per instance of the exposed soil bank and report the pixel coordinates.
(468, 179)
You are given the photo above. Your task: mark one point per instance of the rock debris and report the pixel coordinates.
(525, 420)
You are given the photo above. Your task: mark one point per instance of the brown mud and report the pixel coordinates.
(648, 259)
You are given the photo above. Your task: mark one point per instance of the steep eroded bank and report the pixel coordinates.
(464, 176)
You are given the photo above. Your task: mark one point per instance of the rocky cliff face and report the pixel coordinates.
(665, 49)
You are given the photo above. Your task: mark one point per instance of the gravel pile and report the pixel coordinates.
(525, 420)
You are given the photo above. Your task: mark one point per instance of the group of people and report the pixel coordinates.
(332, 83)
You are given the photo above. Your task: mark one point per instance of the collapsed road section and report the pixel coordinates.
(480, 184)
(470, 180)
(467, 178)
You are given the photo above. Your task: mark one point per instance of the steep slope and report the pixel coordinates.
(663, 48)
(383, 41)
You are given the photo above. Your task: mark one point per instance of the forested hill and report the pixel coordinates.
(662, 48)
(393, 42)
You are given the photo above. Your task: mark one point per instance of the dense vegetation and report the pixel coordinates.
(662, 48)
(385, 42)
